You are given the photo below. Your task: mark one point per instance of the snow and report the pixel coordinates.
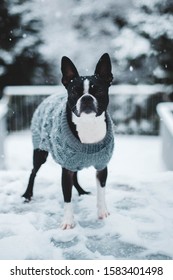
(3, 111)
(139, 196)
(165, 110)
(6, 57)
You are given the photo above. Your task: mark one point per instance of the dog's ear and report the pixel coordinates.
(103, 69)
(69, 71)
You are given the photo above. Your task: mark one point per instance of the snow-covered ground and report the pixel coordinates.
(139, 195)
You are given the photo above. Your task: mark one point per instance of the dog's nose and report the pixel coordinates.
(87, 104)
(87, 99)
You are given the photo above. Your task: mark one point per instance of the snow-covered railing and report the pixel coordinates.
(32, 90)
(133, 107)
(3, 112)
(123, 89)
(22, 102)
(165, 111)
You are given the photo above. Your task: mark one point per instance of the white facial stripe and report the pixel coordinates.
(86, 86)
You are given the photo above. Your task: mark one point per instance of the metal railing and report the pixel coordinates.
(3, 130)
(132, 107)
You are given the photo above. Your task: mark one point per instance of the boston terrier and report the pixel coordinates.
(77, 131)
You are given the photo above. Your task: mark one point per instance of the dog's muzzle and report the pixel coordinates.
(86, 104)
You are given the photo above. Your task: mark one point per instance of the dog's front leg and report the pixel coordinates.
(101, 177)
(67, 183)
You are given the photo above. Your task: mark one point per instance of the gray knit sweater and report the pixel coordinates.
(51, 133)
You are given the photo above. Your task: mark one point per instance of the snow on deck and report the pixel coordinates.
(134, 156)
(139, 196)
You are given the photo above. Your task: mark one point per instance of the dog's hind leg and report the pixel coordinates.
(77, 186)
(39, 157)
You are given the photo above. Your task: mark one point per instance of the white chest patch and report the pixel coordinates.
(91, 129)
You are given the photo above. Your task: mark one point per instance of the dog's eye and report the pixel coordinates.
(76, 91)
(95, 90)
(99, 90)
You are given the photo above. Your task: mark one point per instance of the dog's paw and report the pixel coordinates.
(103, 213)
(27, 197)
(68, 220)
(67, 226)
(68, 223)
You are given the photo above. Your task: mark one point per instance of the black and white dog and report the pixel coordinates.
(89, 122)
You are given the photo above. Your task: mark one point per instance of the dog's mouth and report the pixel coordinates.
(86, 105)
(87, 109)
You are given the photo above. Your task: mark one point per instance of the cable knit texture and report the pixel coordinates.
(51, 133)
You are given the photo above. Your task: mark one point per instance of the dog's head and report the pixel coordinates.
(87, 94)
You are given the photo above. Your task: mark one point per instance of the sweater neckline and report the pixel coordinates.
(75, 143)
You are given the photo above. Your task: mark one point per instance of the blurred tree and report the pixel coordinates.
(144, 47)
(143, 54)
(20, 59)
(160, 35)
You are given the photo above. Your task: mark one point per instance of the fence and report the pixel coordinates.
(3, 112)
(132, 107)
